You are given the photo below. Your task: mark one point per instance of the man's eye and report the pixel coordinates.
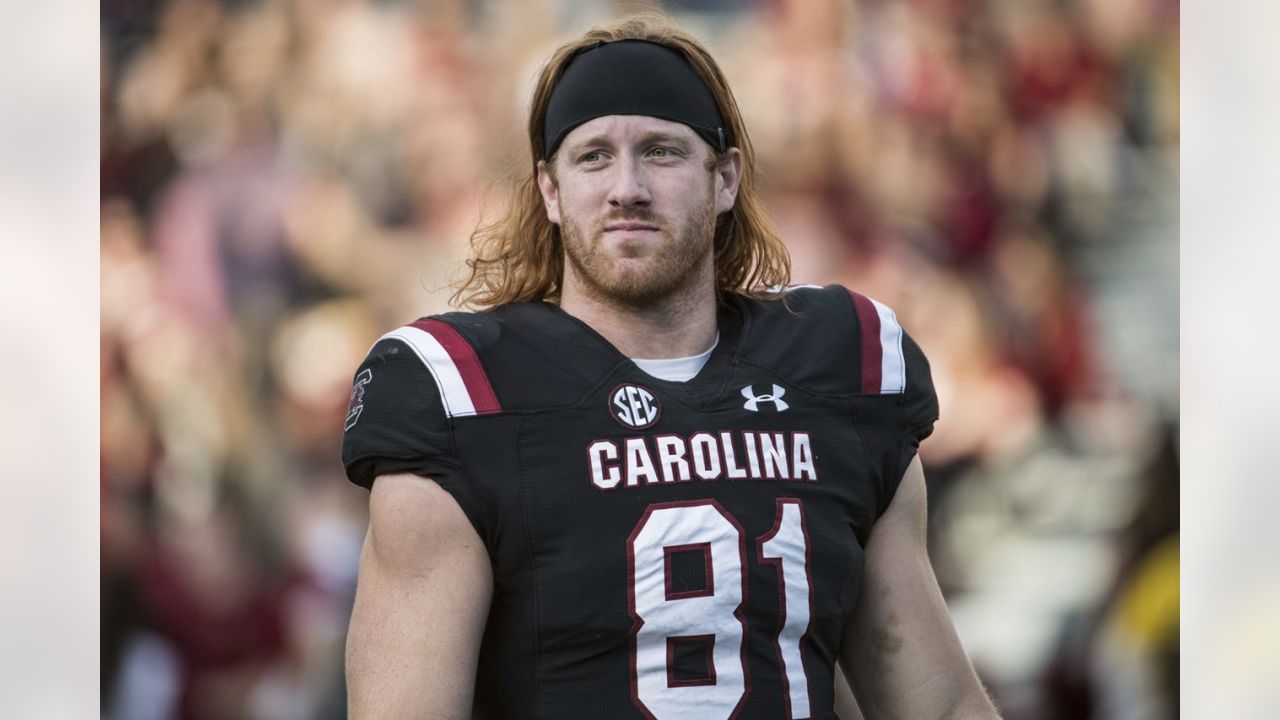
(661, 152)
(593, 156)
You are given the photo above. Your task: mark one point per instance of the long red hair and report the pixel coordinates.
(519, 257)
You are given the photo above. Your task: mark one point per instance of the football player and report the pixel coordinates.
(650, 480)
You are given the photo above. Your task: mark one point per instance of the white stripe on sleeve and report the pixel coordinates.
(453, 391)
(893, 368)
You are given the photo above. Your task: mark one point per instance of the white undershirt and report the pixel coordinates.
(677, 369)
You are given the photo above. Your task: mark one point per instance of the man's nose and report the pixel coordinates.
(630, 186)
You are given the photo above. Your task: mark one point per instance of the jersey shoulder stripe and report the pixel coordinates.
(883, 364)
(464, 386)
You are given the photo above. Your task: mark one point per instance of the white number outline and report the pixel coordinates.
(638, 622)
(779, 565)
(801, 674)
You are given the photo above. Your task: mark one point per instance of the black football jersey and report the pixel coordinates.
(660, 549)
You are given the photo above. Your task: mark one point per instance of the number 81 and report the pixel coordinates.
(663, 615)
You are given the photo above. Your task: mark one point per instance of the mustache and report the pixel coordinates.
(641, 216)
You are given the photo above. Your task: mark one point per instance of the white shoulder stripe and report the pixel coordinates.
(779, 289)
(453, 391)
(893, 367)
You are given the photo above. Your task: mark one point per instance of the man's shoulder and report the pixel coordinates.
(516, 357)
(798, 306)
(829, 339)
(484, 331)
(490, 326)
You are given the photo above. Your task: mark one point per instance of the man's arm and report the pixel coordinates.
(421, 604)
(900, 651)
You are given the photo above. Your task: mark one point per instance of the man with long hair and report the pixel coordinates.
(649, 479)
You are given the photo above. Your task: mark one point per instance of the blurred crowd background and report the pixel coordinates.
(282, 181)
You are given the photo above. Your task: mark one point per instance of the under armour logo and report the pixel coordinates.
(754, 400)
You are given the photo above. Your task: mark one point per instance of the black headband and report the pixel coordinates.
(631, 77)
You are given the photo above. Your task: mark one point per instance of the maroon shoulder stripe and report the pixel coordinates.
(467, 363)
(869, 326)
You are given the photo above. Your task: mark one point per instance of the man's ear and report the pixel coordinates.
(728, 172)
(550, 192)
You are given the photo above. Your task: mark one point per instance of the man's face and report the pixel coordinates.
(636, 202)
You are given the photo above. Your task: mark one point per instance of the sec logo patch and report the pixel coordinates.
(634, 406)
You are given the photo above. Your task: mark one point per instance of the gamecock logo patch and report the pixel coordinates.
(355, 405)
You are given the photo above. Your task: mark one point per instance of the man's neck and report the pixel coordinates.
(681, 325)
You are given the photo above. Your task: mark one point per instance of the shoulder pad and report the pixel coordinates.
(808, 336)
(460, 378)
(396, 417)
(532, 356)
(882, 367)
(834, 341)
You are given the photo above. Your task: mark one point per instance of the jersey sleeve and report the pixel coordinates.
(917, 409)
(396, 423)
(897, 398)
